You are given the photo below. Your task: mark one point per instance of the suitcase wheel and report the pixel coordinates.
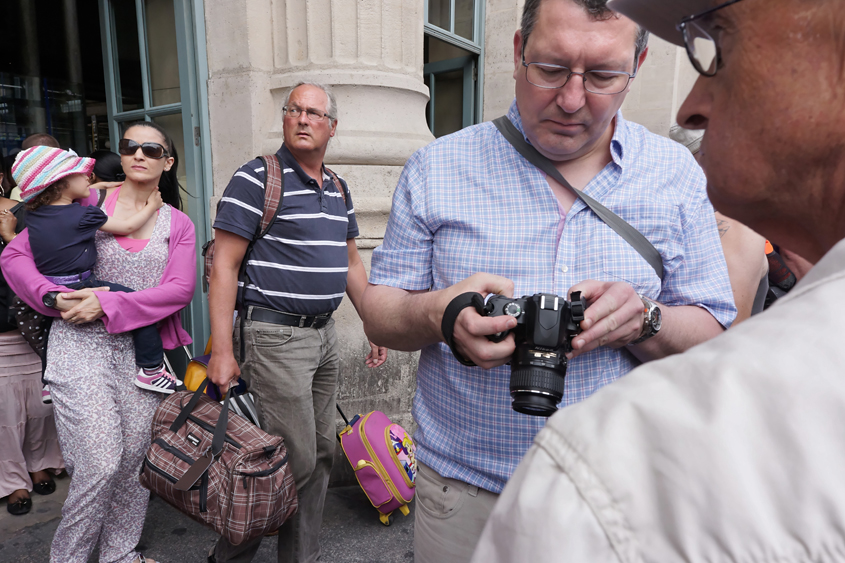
(386, 519)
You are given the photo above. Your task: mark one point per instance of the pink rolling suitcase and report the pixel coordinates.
(383, 456)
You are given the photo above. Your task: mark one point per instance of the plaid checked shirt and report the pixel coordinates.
(469, 203)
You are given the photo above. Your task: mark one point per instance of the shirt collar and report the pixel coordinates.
(285, 155)
(618, 142)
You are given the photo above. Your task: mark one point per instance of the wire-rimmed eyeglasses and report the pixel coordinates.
(312, 115)
(553, 77)
(702, 48)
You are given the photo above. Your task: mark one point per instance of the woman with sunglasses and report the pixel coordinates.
(103, 418)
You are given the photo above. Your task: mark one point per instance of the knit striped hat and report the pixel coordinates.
(37, 168)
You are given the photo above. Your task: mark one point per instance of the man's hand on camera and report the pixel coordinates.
(471, 329)
(613, 318)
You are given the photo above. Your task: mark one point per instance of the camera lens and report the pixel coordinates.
(537, 379)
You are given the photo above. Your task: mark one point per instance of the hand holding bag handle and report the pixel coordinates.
(200, 466)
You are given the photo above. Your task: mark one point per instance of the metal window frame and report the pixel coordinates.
(193, 75)
(476, 47)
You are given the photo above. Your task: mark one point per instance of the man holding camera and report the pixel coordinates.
(733, 450)
(470, 203)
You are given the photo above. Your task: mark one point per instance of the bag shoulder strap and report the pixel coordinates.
(614, 221)
(274, 194)
(337, 183)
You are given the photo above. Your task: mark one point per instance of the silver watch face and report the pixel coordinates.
(656, 319)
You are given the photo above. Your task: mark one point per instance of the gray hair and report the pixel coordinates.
(331, 106)
(596, 8)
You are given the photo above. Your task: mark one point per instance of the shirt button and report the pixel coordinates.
(564, 269)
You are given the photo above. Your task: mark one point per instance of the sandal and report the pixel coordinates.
(47, 487)
(142, 559)
(20, 506)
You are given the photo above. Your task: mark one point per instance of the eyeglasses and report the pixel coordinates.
(702, 47)
(128, 147)
(552, 77)
(311, 114)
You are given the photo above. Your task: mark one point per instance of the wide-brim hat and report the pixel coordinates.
(661, 17)
(37, 168)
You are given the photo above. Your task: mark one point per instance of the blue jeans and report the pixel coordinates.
(148, 350)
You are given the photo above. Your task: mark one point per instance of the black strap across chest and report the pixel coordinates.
(614, 221)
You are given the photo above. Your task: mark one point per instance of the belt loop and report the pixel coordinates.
(301, 322)
(472, 490)
(248, 315)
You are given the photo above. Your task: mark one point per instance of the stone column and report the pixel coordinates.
(370, 52)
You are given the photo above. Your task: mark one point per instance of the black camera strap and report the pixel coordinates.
(450, 315)
(614, 221)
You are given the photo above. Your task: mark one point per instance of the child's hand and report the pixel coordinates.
(155, 200)
(105, 185)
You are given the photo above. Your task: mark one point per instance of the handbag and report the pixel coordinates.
(223, 472)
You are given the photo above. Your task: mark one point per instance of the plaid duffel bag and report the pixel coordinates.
(221, 471)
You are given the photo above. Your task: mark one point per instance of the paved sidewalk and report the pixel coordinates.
(351, 533)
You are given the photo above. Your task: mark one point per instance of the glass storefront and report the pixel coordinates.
(83, 70)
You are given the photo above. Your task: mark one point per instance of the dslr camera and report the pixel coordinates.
(545, 327)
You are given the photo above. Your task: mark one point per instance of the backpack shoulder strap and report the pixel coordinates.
(336, 183)
(274, 192)
(614, 221)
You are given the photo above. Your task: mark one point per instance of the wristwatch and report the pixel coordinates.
(652, 321)
(49, 299)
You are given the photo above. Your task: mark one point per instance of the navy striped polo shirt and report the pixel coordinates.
(300, 266)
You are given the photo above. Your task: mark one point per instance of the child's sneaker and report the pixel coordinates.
(161, 381)
(46, 397)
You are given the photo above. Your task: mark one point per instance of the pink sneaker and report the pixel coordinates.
(161, 382)
(46, 396)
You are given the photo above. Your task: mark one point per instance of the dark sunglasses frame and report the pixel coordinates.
(128, 147)
(682, 27)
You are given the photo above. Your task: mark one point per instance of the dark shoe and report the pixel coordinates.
(47, 487)
(19, 507)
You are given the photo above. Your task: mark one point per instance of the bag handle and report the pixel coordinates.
(614, 221)
(222, 421)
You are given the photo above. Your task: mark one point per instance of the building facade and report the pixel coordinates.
(214, 73)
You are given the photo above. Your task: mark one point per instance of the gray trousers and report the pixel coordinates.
(292, 374)
(449, 517)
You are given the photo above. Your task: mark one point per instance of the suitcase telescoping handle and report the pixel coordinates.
(199, 467)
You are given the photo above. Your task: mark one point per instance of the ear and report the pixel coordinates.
(517, 52)
(168, 164)
(333, 129)
(642, 58)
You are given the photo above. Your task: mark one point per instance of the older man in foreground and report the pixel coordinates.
(733, 450)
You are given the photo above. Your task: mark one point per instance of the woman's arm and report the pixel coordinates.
(24, 278)
(127, 311)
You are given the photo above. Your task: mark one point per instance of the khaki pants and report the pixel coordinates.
(449, 517)
(292, 374)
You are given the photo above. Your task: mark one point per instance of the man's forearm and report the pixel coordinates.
(222, 294)
(399, 319)
(683, 327)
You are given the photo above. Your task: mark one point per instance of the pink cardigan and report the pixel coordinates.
(122, 311)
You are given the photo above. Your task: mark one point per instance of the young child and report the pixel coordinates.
(61, 235)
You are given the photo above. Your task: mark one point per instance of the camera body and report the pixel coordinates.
(545, 327)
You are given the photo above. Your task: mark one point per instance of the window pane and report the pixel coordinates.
(448, 102)
(464, 18)
(161, 49)
(173, 125)
(440, 14)
(128, 55)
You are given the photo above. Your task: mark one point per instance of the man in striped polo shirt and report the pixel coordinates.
(286, 346)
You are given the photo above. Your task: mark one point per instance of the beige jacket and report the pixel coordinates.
(733, 451)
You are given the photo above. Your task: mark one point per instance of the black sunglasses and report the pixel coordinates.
(128, 147)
